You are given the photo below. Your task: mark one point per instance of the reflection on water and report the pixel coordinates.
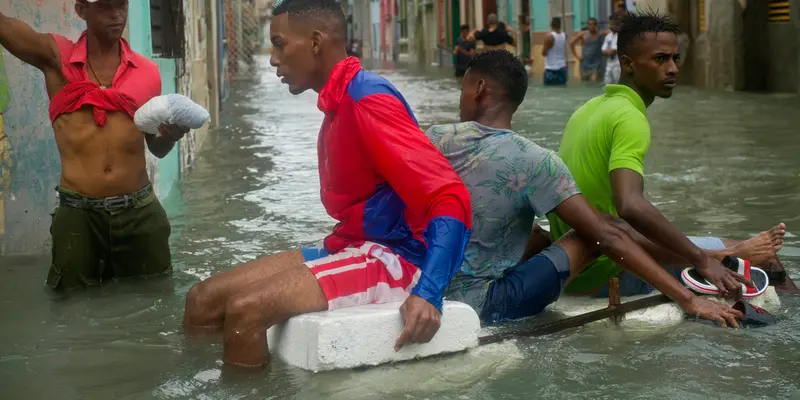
(721, 163)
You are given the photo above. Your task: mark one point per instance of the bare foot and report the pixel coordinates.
(761, 247)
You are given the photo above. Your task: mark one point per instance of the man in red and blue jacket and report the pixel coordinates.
(403, 214)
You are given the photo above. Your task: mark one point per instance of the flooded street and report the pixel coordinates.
(722, 164)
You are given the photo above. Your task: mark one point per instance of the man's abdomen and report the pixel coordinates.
(100, 161)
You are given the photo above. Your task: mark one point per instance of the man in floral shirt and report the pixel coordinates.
(512, 180)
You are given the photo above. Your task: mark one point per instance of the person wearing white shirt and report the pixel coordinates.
(609, 50)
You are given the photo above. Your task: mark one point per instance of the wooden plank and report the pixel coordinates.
(578, 320)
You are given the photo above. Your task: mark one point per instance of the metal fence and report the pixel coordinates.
(245, 24)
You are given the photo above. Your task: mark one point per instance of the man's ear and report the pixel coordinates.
(480, 88)
(80, 9)
(316, 42)
(627, 64)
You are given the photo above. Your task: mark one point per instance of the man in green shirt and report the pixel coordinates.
(604, 145)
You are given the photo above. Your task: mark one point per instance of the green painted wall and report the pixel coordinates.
(540, 12)
(141, 42)
(577, 10)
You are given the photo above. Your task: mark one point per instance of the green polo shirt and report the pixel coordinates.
(610, 131)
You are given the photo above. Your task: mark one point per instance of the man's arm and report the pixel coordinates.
(549, 41)
(645, 218)
(37, 49)
(428, 186)
(631, 141)
(602, 236)
(575, 39)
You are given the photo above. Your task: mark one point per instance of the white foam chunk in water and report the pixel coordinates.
(663, 313)
(365, 335)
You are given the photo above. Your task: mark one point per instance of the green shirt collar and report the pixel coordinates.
(628, 93)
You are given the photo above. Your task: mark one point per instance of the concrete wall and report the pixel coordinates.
(796, 23)
(28, 186)
(784, 49)
(198, 68)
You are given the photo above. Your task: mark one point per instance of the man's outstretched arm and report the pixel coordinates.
(645, 218)
(37, 49)
(601, 236)
(429, 187)
(630, 144)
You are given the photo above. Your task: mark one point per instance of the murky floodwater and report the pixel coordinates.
(721, 163)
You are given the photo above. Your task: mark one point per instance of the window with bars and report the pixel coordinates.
(779, 11)
(167, 24)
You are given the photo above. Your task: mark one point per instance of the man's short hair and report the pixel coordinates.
(465, 27)
(555, 23)
(633, 26)
(592, 19)
(323, 15)
(504, 69)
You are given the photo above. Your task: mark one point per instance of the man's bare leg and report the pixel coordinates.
(759, 249)
(206, 300)
(259, 305)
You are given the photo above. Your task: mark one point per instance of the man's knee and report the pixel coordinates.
(200, 303)
(244, 307)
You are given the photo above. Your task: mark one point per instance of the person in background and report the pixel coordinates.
(109, 223)
(464, 50)
(554, 52)
(609, 51)
(495, 35)
(590, 57)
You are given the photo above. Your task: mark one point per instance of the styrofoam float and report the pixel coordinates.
(365, 335)
(669, 313)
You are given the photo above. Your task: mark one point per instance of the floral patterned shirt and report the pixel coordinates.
(511, 180)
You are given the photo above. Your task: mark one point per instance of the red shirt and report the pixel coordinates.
(137, 81)
(385, 182)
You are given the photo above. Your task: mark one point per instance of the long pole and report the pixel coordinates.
(612, 311)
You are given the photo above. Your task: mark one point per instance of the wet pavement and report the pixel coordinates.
(721, 164)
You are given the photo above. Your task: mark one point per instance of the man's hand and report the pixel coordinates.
(728, 282)
(172, 131)
(420, 320)
(715, 311)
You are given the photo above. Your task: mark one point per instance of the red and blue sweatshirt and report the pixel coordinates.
(385, 182)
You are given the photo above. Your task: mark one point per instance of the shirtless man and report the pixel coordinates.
(403, 214)
(604, 145)
(109, 223)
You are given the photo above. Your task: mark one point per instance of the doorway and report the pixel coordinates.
(489, 7)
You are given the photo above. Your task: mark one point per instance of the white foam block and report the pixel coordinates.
(365, 335)
(660, 314)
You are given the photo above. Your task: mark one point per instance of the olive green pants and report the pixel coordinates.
(92, 246)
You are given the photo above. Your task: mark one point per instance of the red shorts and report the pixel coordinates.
(368, 274)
